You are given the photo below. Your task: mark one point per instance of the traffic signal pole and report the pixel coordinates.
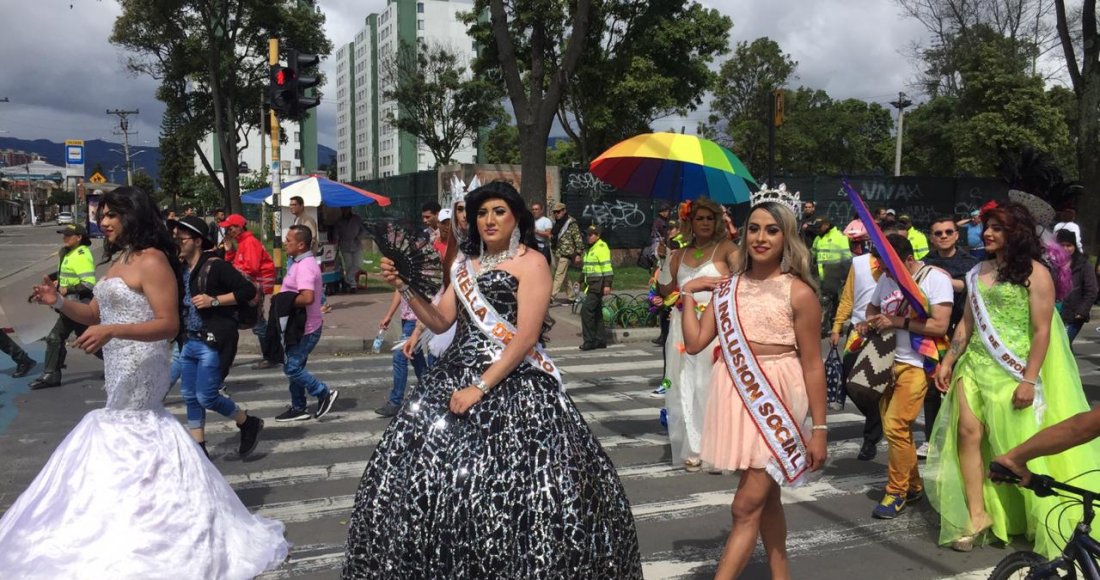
(276, 178)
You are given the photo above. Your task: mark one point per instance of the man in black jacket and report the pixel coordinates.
(212, 288)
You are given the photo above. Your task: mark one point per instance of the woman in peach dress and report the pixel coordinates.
(780, 326)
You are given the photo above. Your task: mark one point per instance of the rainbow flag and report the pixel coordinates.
(930, 347)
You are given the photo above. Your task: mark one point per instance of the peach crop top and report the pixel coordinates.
(764, 307)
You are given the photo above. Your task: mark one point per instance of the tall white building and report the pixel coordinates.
(367, 146)
(290, 152)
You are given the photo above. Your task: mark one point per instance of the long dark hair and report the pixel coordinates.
(1021, 242)
(143, 228)
(503, 191)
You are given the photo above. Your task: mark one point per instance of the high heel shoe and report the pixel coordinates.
(966, 543)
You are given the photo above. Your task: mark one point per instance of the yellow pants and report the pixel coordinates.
(899, 406)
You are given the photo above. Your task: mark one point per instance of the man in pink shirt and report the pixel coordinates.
(303, 277)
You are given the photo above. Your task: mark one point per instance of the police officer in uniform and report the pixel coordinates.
(833, 256)
(75, 279)
(598, 276)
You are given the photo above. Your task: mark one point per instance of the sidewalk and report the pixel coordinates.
(353, 323)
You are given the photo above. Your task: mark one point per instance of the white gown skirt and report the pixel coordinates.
(686, 399)
(129, 495)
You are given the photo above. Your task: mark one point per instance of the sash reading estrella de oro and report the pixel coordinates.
(490, 322)
(998, 350)
(770, 415)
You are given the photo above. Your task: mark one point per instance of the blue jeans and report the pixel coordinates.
(176, 371)
(1072, 329)
(401, 365)
(301, 381)
(200, 369)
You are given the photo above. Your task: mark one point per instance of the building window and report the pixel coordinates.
(419, 7)
(420, 25)
(297, 153)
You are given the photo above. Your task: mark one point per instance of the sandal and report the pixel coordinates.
(693, 464)
(966, 543)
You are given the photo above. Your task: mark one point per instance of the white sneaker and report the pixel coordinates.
(836, 406)
(659, 392)
(922, 451)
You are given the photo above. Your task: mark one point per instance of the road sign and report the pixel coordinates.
(74, 152)
(97, 177)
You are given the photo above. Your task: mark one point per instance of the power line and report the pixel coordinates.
(124, 130)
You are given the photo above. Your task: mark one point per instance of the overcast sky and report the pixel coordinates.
(61, 74)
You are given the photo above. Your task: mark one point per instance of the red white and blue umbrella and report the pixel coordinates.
(315, 191)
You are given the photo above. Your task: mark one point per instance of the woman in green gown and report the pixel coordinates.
(1008, 374)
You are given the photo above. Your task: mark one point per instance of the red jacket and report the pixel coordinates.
(252, 260)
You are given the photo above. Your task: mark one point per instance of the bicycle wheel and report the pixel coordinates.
(1017, 565)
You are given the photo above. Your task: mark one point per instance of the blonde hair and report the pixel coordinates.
(795, 254)
(711, 206)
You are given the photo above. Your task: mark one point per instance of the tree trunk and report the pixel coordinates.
(1088, 158)
(533, 163)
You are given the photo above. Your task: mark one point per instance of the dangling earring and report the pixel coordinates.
(513, 243)
(785, 264)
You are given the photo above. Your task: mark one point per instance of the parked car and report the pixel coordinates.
(65, 217)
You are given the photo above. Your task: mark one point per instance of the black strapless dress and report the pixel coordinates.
(518, 488)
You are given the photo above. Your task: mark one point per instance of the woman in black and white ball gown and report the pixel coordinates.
(128, 493)
(489, 470)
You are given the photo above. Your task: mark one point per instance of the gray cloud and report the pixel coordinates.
(65, 74)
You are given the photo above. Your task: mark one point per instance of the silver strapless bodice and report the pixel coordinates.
(136, 372)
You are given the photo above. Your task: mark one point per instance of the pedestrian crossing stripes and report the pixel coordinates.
(306, 473)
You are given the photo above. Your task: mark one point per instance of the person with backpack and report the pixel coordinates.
(212, 289)
(251, 259)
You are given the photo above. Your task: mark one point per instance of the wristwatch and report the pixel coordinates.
(214, 303)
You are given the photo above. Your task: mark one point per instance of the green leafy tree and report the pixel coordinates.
(928, 138)
(564, 153)
(532, 47)
(211, 59)
(203, 192)
(60, 197)
(822, 135)
(98, 168)
(1082, 53)
(177, 150)
(742, 94)
(502, 144)
(439, 101)
(648, 60)
(144, 182)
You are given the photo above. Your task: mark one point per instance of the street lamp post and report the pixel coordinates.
(127, 156)
(901, 104)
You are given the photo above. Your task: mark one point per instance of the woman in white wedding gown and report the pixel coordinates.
(128, 493)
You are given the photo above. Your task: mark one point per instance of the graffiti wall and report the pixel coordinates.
(626, 219)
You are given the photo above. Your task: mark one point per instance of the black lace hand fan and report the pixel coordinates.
(415, 258)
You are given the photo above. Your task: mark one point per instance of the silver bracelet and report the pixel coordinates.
(819, 428)
(483, 387)
(59, 304)
(1030, 382)
(407, 293)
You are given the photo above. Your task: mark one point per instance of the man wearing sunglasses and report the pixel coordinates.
(948, 256)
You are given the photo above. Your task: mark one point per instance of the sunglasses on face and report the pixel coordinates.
(943, 233)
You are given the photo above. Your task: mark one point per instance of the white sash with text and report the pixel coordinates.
(770, 415)
(490, 322)
(1012, 364)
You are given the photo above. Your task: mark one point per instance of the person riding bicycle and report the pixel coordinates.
(1077, 430)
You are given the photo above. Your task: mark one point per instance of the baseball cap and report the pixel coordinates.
(891, 212)
(904, 219)
(234, 220)
(558, 206)
(73, 230)
(976, 213)
(444, 214)
(193, 224)
(594, 229)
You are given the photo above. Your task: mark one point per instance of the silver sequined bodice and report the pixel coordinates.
(136, 372)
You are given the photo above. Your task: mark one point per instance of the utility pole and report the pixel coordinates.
(124, 130)
(901, 104)
(276, 177)
(263, 158)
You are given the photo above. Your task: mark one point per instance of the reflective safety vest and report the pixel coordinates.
(77, 267)
(919, 242)
(597, 263)
(831, 248)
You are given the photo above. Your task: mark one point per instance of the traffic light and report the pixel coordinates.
(280, 90)
(304, 79)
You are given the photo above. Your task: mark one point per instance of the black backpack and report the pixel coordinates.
(249, 313)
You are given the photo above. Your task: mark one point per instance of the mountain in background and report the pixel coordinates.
(99, 151)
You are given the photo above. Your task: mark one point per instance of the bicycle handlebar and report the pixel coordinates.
(1042, 485)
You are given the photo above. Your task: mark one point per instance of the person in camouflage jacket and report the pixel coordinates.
(567, 245)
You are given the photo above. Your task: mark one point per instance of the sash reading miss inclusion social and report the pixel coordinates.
(490, 322)
(1012, 364)
(770, 415)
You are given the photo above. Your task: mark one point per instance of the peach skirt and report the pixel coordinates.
(730, 438)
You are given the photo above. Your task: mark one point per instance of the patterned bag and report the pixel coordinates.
(834, 377)
(873, 370)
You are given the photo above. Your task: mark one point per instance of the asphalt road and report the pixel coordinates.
(305, 474)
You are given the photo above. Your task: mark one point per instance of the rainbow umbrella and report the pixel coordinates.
(676, 167)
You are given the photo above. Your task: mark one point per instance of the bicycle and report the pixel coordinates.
(1081, 551)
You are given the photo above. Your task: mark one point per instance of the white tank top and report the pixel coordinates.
(864, 287)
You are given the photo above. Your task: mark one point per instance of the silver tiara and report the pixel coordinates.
(779, 195)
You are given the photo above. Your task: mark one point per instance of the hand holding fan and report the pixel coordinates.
(414, 257)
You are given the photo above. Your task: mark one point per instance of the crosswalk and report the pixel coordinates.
(305, 474)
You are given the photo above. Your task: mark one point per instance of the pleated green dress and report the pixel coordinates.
(989, 388)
